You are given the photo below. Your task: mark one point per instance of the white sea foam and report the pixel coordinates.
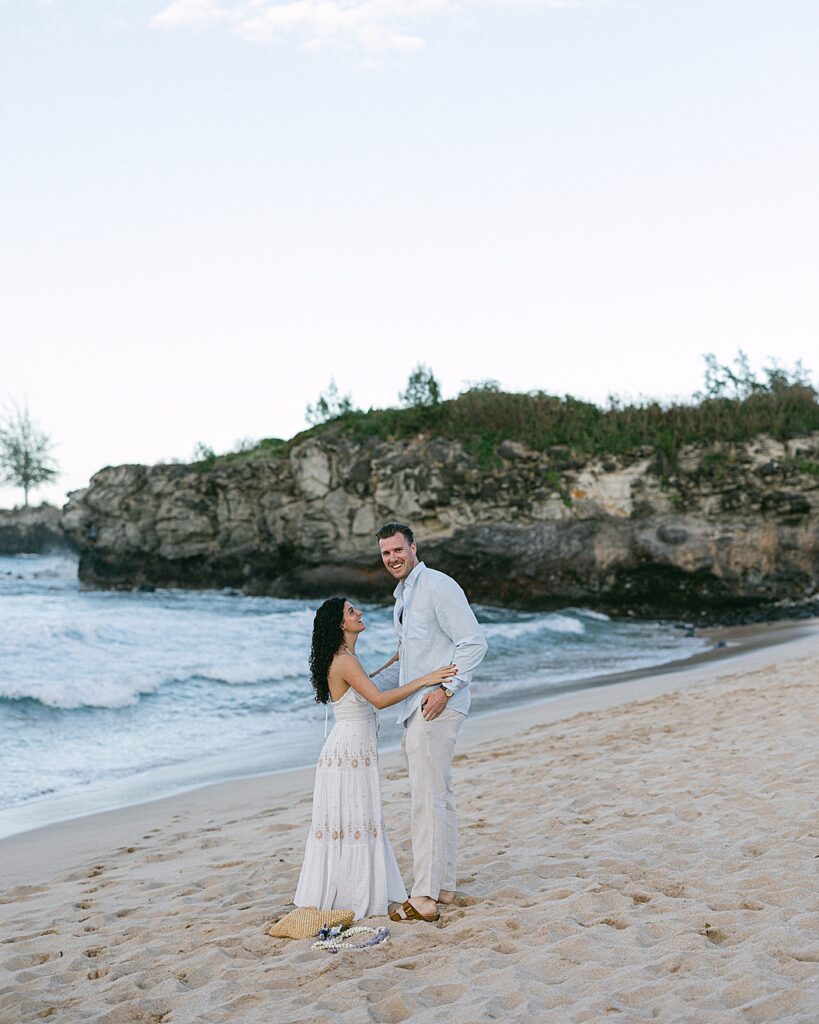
(242, 673)
(70, 694)
(563, 624)
(107, 690)
(587, 613)
(551, 623)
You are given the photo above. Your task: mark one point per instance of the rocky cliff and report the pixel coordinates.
(31, 530)
(735, 527)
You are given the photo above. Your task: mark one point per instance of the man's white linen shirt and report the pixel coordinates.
(435, 627)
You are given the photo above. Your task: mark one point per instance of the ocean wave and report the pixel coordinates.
(563, 624)
(107, 691)
(38, 572)
(59, 567)
(587, 613)
(70, 695)
(25, 632)
(301, 617)
(243, 674)
(554, 623)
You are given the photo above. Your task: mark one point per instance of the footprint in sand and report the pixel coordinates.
(20, 892)
(558, 894)
(30, 935)
(374, 987)
(391, 1010)
(26, 960)
(441, 995)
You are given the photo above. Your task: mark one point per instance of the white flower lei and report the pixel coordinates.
(334, 939)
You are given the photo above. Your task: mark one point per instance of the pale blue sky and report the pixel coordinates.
(208, 208)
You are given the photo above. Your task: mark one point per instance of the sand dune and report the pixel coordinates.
(651, 861)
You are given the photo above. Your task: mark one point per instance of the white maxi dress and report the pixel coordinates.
(348, 860)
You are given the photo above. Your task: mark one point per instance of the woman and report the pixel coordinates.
(348, 861)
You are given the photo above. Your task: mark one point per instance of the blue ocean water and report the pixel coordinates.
(108, 698)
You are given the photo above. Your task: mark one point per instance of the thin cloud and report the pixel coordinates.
(190, 14)
(371, 25)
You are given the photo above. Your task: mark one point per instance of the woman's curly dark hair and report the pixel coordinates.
(328, 636)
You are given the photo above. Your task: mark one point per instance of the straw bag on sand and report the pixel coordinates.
(305, 922)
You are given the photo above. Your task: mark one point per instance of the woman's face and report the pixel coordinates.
(352, 621)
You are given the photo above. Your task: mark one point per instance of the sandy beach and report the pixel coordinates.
(643, 851)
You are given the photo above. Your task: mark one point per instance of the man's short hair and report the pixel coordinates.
(390, 530)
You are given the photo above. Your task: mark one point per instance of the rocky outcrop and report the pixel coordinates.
(735, 527)
(31, 530)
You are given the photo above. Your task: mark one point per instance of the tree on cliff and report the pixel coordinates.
(422, 388)
(330, 405)
(25, 451)
(737, 381)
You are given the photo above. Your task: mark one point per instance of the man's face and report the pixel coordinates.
(398, 555)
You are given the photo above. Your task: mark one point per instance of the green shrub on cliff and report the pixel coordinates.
(782, 405)
(735, 406)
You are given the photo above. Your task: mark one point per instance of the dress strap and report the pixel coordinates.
(326, 713)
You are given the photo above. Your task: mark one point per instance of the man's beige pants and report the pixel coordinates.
(428, 748)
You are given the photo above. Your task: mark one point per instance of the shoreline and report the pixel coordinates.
(61, 809)
(40, 791)
(35, 849)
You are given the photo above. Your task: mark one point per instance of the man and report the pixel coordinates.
(435, 627)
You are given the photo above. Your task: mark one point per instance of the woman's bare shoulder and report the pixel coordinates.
(338, 674)
(346, 661)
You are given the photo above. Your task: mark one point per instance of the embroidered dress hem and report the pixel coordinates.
(348, 861)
